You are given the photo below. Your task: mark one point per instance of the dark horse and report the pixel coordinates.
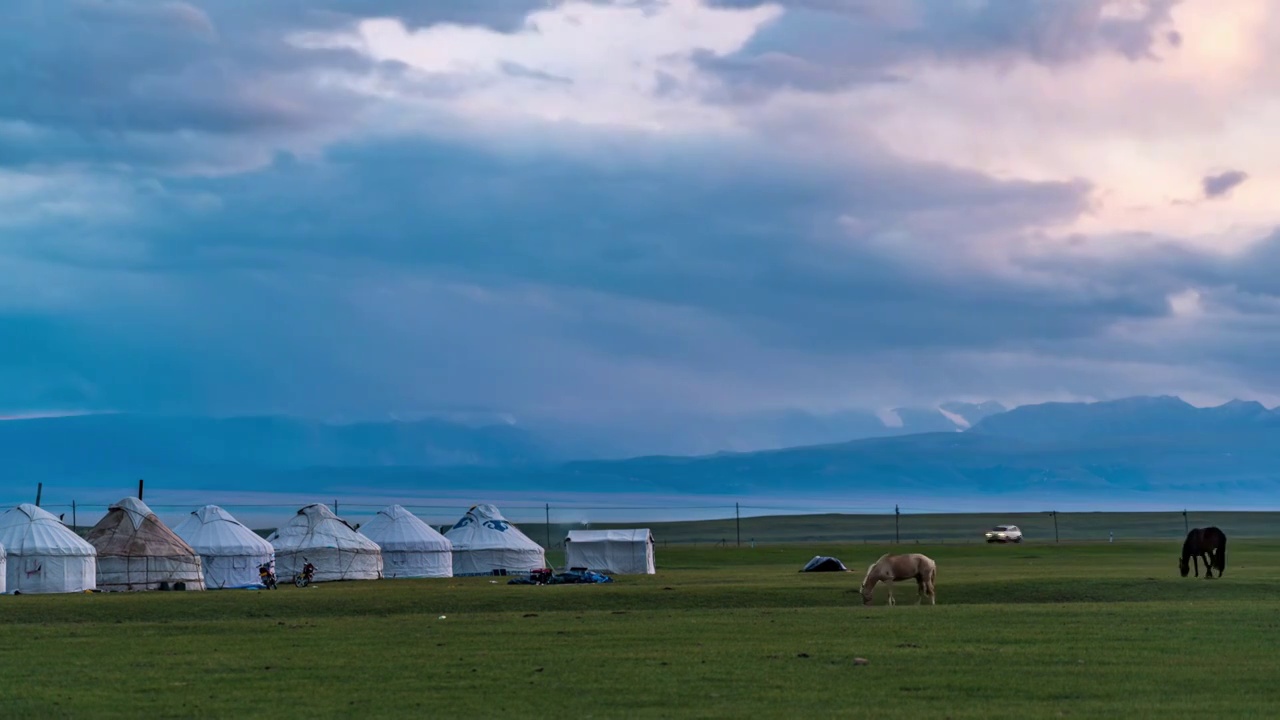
(1209, 544)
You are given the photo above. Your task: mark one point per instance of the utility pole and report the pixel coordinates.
(1055, 525)
(1186, 525)
(897, 537)
(73, 515)
(737, 518)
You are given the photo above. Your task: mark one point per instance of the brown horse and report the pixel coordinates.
(892, 568)
(1208, 544)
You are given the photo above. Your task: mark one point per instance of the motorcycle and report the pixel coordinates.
(305, 577)
(266, 577)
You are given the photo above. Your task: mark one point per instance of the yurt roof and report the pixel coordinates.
(484, 527)
(30, 530)
(315, 526)
(396, 529)
(212, 530)
(131, 529)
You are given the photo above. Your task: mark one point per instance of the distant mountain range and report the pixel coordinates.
(1096, 450)
(704, 434)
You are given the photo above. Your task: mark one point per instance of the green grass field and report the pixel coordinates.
(1037, 630)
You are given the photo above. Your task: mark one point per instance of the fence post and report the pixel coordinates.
(897, 536)
(737, 518)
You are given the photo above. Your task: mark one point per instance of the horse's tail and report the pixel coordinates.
(1220, 560)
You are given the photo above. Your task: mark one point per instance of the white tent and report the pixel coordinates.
(138, 552)
(616, 552)
(229, 551)
(484, 541)
(315, 534)
(410, 547)
(44, 556)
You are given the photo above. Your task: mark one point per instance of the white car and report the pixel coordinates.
(1004, 533)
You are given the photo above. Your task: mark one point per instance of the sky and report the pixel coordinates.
(576, 210)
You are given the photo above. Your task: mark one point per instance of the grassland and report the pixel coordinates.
(1037, 630)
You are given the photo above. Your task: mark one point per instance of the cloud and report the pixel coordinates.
(360, 209)
(1218, 185)
(203, 87)
(821, 45)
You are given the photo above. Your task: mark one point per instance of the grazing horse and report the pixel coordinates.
(1208, 544)
(891, 568)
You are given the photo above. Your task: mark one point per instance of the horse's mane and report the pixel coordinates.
(872, 567)
(1189, 545)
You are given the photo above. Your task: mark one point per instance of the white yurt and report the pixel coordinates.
(316, 535)
(44, 556)
(484, 542)
(138, 552)
(621, 551)
(229, 552)
(410, 547)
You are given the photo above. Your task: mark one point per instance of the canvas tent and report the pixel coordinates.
(410, 547)
(315, 534)
(614, 552)
(44, 556)
(138, 552)
(230, 553)
(822, 563)
(485, 542)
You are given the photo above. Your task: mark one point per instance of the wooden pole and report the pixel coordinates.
(139, 488)
(897, 513)
(39, 491)
(737, 516)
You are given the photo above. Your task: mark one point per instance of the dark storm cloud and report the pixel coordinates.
(750, 236)
(821, 45)
(1222, 183)
(102, 81)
